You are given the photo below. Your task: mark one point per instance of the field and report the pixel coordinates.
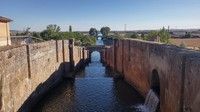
(193, 43)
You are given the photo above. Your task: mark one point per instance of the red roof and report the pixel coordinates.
(4, 19)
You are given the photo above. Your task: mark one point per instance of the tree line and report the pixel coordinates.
(53, 32)
(162, 35)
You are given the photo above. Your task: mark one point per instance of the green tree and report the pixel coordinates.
(151, 36)
(161, 36)
(188, 35)
(70, 28)
(36, 34)
(134, 35)
(105, 31)
(93, 32)
(53, 28)
(142, 36)
(115, 35)
(131, 35)
(51, 32)
(164, 36)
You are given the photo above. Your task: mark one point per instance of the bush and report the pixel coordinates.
(115, 36)
(188, 35)
(53, 32)
(161, 36)
(132, 35)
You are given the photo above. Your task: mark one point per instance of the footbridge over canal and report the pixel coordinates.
(98, 48)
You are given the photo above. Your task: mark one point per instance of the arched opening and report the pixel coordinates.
(99, 34)
(95, 56)
(155, 82)
(99, 38)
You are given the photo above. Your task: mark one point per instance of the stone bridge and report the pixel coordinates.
(98, 48)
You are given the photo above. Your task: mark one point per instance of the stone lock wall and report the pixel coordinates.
(178, 70)
(28, 72)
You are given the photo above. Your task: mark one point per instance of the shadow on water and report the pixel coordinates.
(86, 95)
(93, 89)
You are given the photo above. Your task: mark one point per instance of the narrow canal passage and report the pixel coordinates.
(93, 89)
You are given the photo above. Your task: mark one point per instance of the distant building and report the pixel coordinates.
(4, 31)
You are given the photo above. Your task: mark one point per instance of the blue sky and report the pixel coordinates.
(83, 14)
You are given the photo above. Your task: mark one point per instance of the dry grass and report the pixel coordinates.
(4, 48)
(191, 42)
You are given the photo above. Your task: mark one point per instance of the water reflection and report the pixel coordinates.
(95, 57)
(92, 90)
(88, 95)
(99, 41)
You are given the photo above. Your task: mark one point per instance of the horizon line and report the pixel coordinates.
(152, 29)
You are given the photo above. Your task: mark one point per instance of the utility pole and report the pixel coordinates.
(168, 28)
(124, 27)
(70, 28)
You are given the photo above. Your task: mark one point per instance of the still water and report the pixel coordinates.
(93, 90)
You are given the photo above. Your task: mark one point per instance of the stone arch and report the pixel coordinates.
(155, 82)
(91, 51)
(97, 56)
(98, 48)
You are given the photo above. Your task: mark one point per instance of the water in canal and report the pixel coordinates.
(93, 90)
